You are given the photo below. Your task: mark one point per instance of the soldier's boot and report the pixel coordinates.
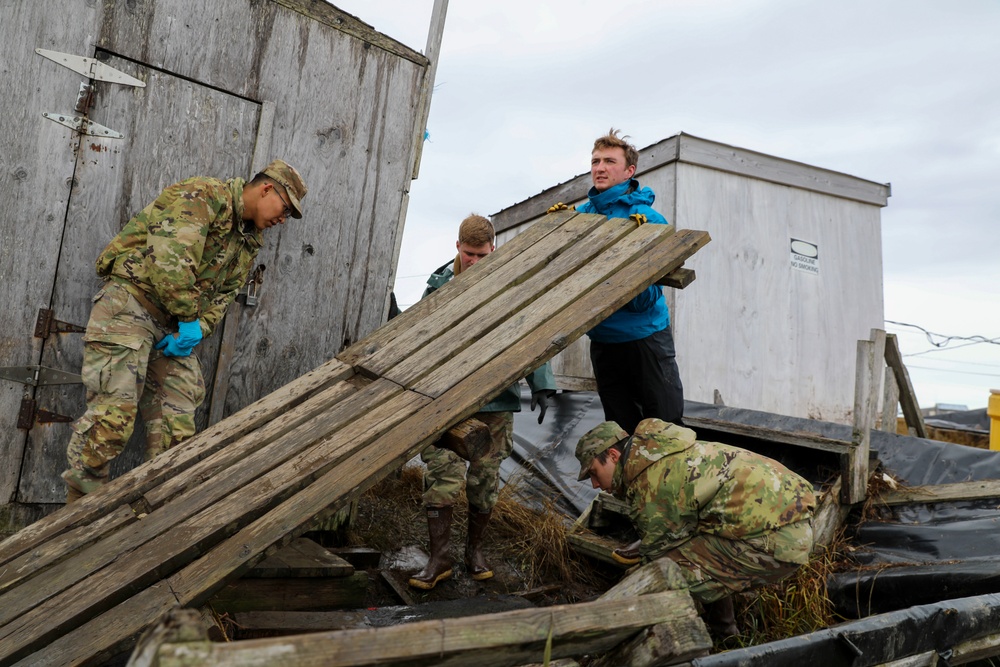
(475, 562)
(627, 555)
(73, 494)
(720, 617)
(438, 566)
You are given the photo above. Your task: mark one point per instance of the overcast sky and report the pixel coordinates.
(905, 92)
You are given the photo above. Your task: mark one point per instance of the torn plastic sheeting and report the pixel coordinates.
(874, 640)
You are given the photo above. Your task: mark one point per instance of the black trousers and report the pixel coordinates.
(638, 380)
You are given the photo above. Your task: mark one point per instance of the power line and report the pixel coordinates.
(941, 341)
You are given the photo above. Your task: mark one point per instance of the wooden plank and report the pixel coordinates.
(48, 553)
(309, 559)
(470, 439)
(907, 397)
(581, 243)
(455, 324)
(594, 546)
(299, 622)
(677, 641)
(866, 392)
(829, 516)
(411, 319)
(129, 487)
(925, 659)
(330, 402)
(890, 400)
(292, 594)
(981, 648)
(800, 439)
(657, 576)
(678, 278)
(218, 515)
(507, 638)
(943, 493)
(646, 254)
(198, 500)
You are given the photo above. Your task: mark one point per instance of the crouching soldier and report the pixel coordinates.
(731, 519)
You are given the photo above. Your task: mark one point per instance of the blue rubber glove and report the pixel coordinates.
(183, 343)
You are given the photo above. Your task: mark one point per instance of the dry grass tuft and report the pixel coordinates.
(533, 541)
(800, 604)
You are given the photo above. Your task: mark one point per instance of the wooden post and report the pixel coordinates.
(907, 397)
(469, 438)
(866, 391)
(890, 401)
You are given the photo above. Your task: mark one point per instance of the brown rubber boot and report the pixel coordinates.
(475, 562)
(438, 566)
(73, 494)
(627, 555)
(720, 617)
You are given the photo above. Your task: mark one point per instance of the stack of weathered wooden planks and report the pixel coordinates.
(81, 584)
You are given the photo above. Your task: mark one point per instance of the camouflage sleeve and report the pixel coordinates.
(542, 378)
(659, 514)
(216, 307)
(175, 243)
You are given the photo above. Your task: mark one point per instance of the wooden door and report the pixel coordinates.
(173, 128)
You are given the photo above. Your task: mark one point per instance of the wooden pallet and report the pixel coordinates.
(78, 586)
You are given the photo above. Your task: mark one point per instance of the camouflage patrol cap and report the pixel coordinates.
(286, 175)
(598, 439)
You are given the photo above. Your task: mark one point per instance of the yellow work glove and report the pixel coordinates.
(638, 217)
(559, 206)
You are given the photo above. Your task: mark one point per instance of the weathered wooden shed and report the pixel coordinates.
(208, 88)
(791, 282)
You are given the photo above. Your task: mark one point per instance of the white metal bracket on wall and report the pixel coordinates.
(83, 125)
(91, 68)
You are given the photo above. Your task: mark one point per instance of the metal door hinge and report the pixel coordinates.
(47, 323)
(83, 125)
(29, 414)
(91, 68)
(38, 376)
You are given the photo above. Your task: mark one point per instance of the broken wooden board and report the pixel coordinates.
(203, 514)
(508, 638)
(942, 493)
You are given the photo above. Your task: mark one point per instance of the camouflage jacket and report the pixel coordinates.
(677, 487)
(188, 252)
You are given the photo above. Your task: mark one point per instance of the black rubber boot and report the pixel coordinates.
(720, 617)
(438, 566)
(475, 562)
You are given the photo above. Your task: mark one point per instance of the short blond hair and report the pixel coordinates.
(612, 140)
(476, 230)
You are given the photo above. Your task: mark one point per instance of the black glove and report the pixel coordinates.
(541, 399)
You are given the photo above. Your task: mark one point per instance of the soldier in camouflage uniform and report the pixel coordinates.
(446, 471)
(731, 519)
(169, 276)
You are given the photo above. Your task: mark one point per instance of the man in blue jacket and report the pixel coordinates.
(632, 351)
(446, 471)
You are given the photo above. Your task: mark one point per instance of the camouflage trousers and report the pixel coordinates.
(446, 471)
(714, 567)
(124, 376)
